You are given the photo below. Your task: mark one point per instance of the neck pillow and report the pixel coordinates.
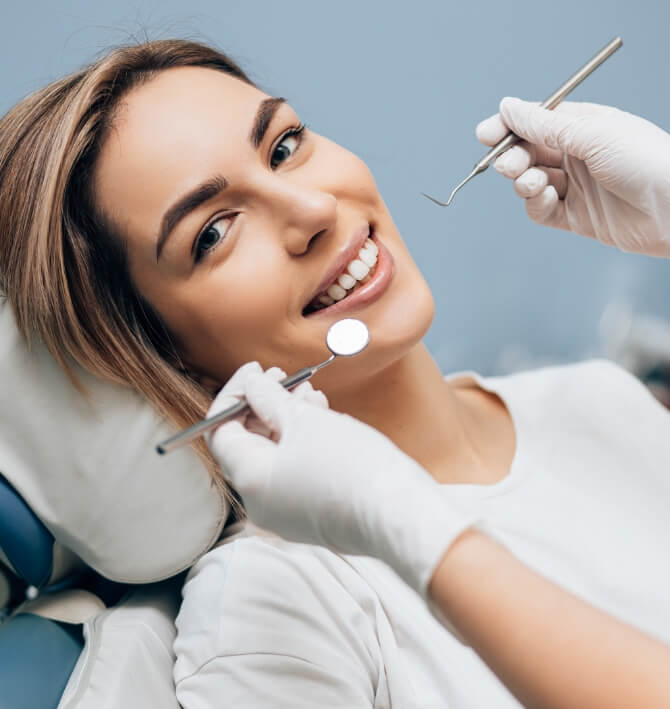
(90, 472)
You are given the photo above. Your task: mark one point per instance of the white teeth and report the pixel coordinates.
(346, 281)
(358, 269)
(336, 292)
(367, 257)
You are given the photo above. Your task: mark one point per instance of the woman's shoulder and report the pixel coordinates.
(595, 380)
(260, 561)
(258, 593)
(595, 395)
(546, 376)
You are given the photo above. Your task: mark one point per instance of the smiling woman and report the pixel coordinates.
(190, 223)
(235, 218)
(174, 228)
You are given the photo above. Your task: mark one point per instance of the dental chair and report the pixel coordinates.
(96, 532)
(81, 640)
(37, 653)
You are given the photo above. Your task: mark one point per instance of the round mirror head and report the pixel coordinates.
(347, 337)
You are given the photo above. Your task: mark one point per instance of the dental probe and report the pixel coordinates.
(511, 139)
(345, 338)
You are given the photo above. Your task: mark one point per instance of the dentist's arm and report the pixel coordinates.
(594, 170)
(548, 647)
(326, 478)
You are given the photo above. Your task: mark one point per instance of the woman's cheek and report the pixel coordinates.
(350, 177)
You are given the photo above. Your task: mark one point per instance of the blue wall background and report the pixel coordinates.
(403, 85)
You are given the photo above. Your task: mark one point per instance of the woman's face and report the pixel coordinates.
(233, 268)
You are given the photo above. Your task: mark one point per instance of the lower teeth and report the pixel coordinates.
(320, 306)
(316, 305)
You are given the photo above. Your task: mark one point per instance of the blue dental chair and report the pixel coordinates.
(37, 654)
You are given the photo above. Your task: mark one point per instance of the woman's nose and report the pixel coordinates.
(302, 212)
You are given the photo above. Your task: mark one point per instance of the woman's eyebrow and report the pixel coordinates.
(213, 186)
(266, 110)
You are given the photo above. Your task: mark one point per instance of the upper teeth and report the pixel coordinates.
(356, 270)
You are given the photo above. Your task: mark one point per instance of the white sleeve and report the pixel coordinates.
(272, 624)
(272, 681)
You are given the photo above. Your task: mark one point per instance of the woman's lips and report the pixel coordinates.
(368, 292)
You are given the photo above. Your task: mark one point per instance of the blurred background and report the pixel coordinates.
(403, 85)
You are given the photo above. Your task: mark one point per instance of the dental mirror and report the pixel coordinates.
(344, 338)
(347, 337)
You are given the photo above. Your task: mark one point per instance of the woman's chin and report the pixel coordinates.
(396, 328)
(408, 312)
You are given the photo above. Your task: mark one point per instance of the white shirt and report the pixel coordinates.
(269, 623)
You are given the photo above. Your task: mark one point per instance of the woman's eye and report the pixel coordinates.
(210, 237)
(288, 145)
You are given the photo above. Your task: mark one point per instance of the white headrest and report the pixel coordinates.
(91, 473)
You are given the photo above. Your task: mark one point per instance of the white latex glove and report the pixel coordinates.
(330, 479)
(590, 169)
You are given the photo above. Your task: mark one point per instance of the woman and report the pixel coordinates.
(187, 223)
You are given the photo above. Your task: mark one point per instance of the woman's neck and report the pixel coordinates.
(457, 432)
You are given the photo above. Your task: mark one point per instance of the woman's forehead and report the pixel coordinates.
(179, 103)
(182, 125)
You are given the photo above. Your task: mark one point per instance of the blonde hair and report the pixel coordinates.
(63, 267)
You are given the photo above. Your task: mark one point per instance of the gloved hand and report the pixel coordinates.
(591, 169)
(329, 479)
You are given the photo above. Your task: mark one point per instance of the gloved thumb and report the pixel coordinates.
(572, 133)
(270, 401)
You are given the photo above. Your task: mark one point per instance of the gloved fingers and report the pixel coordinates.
(535, 179)
(235, 385)
(537, 126)
(546, 208)
(306, 392)
(584, 108)
(269, 400)
(233, 390)
(253, 423)
(218, 438)
(516, 160)
(531, 182)
(246, 459)
(548, 156)
(276, 373)
(491, 130)
(559, 130)
(250, 430)
(531, 122)
(303, 392)
(558, 179)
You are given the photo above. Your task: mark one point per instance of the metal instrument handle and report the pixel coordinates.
(553, 100)
(205, 425)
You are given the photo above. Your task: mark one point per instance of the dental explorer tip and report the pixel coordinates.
(476, 171)
(442, 204)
